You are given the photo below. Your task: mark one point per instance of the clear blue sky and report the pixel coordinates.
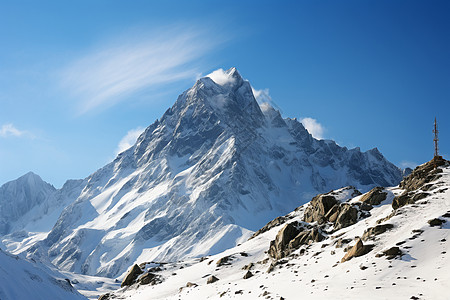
(77, 76)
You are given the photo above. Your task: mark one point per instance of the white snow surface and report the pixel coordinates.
(422, 271)
(22, 279)
(198, 181)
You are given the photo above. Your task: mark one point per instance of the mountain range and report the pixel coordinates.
(203, 178)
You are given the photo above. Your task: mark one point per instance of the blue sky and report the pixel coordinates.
(79, 79)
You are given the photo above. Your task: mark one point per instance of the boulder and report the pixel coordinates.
(212, 279)
(348, 215)
(224, 261)
(375, 196)
(146, 278)
(285, 235)
(248, 275)
(373, 231)
(319, 206)
(436, 222)
(358, 249)
(391, 253)
(424, 174)
(131, 276)
(191, 284)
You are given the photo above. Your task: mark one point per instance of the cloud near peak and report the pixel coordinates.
(314, 128)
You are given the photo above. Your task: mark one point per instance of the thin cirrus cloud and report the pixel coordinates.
(9, 130)
(109, 74)
(314, 128)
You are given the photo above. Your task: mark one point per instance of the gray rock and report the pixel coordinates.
(375, 196)
(131, 276)
(212, 279)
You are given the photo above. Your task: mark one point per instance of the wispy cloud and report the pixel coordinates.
(9, 130)
(314, 128)
(129, 139)
(110, 73)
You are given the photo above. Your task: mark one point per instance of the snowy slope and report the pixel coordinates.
(21, 279)
(214, 168)
(315, 271)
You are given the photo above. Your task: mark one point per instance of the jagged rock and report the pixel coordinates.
(106, 296)
(375, 196)
(212, 279)
(131, 276)
(147, 278)
(224, 261)
(275, 222)
(436, 222)
(303, 238)
(341, 242)
(373, 231)
(348, 215)
(333, 213)
(191, 284)
(248, 275)
(358, 249)
(318, 208)
(408, 198)
(424, 174)
(391, 253)
(285, 235)
(248, 267)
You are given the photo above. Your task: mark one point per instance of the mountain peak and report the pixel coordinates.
(230, 77)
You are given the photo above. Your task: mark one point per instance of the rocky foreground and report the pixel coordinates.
(389, 243)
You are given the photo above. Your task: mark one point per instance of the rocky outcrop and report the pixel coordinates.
(371, 232)
(291, 237)
(348, 215)
(318, 208)
(131, 276)
(375, 196)
(408, 198)
(424, 174)
(248, 275)
(224, 261)
(275, 222)
(358, 249)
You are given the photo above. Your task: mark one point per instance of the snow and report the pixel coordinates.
(22, 279)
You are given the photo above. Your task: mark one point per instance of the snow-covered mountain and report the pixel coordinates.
(390, 243)
(201, 179)
(22, 279)
(30, 207)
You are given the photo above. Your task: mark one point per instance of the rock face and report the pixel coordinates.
(319, 206)
(358, 249)
(375, 196)
(131, 276)
(348, 215)
(374, 231)
(291, 237)
(424, 174)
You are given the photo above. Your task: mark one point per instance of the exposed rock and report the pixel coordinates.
(373, 231)
(191, 284)
(318, 208)
(402, 200)
(436, 222)
(212, 279)
(341, 242)
(391, 253)
(248, 275)
(148, 278)
(375, 196)
(248, 267)
(285, 235)
(348, 215)
(424, 174)
(358, 249)
(224, 261)
(304, 238)
(275, 222)
(131, 276)
(106, 296)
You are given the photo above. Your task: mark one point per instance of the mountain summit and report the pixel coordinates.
(214, 168)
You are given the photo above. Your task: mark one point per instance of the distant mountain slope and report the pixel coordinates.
(390, 243)
(215, 167)
(21, 279)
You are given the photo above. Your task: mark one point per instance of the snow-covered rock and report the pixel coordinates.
(201, 179)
